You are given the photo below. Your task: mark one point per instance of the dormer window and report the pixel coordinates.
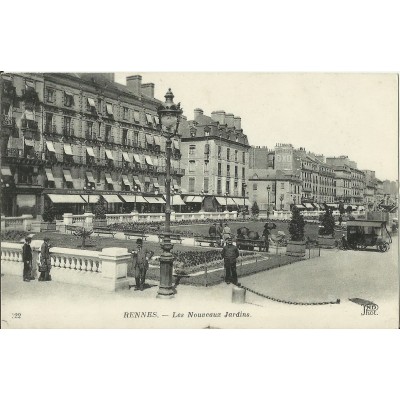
(193, 132)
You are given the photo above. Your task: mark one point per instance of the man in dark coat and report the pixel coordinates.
(27, 260)
(230, 253)
(212, 232)
(265, 234)
(45, 262)
(140, 261)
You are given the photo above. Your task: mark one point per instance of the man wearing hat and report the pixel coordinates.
(27, 260)
(230, 253)
(140, 261)
(45, 262)
(265, 235)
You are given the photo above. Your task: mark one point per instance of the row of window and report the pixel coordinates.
(192, 152)
(228, 171)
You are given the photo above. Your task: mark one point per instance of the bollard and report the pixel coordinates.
(238, 295)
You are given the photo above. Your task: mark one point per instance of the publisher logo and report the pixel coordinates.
(370, 309)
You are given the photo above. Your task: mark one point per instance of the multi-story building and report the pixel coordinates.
(215, 157)
(65, 133)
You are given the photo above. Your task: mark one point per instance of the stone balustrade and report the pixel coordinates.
(106, 269)
(22, 223)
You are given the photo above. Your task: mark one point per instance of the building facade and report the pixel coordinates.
(69, 138)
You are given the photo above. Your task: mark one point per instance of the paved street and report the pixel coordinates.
(367, 275)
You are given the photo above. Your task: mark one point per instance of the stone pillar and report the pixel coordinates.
(3, 223)
(88, 219)
(114, 268)
(27, 222)
(67, 218)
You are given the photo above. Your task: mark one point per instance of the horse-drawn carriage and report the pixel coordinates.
(363, 233)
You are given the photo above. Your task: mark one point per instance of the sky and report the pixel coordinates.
(333, 114)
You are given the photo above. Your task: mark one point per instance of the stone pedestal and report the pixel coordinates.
(27, 222)
(114, 268)
(67, 218)
(88, 220)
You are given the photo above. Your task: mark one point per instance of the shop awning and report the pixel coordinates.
(6, 171)
(155, 200)
(176, 200)
(193, 199)
(50, 147)
(137, 181)
(109, 155)
(148, 160)
(308, 206)
(247, 202)
(89, 176)
(317, 206)
(125, 156)
(93, 198)
(149, 118)
(91, 102)
(67, 175)
(29, 142)
(130, 198)
(126, 180)
(66, 198)
(221, 201)
(67, 149)
(109, 179)
(136, 158)
(109, 108)
(49, 174)
(111, 198)
(231, 202)
(90, 151)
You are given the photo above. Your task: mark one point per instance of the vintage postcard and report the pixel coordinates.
(199, 200)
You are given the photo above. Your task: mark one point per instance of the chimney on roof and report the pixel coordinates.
(134, 84)
(148, 89)
(218, 116)
(229, 120)
(238, 123)
(197, 112)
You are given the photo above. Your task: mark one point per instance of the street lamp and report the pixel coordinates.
(268, 190)
(135, 188)
(244, 199)
(88, 189)
(169, 115)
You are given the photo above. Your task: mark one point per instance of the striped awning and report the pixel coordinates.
(90, 151)
(108, 178)
(66, 198)
(136, 158)
(154, 200)
(176, 200)
(49, 174)
(111, 198)
(6, 171)
(50, 147)
(93, 198)
(131, 198)
(308, 205)
(125, 156)
(67, 149)
(89, 176)
(193, 199)
(67, 175)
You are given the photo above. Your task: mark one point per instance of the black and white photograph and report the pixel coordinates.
(199, 200)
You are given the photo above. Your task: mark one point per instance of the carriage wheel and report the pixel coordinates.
(383, 247)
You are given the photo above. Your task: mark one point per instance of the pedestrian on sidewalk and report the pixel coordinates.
(27, 260)
(140, 261)
(45, 262)
(226, 233)
(265, 235)
(230, 253)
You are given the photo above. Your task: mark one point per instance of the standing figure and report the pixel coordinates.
(140, 260)
(45, 262)
(219, 233)
(226, 233)
(265, 234)
(27, 260)
(212, 232)
(230, 253)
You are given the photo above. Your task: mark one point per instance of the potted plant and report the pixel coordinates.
(48, 217)
(100, 219)
(326, 233)
(296, 245)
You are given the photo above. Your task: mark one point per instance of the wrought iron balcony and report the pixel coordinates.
(29, 125)
(7, 121)
(25, 154)
(68, 131)
(50, 129)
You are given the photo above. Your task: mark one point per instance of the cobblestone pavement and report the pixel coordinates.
(336, 274)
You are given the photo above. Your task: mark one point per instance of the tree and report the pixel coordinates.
(255, 210)
(48, 213)
(281, 197)
(296, 226)
(100, 209)
(328, 223)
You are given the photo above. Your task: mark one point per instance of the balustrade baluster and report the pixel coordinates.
(57, 261)
(62, 262)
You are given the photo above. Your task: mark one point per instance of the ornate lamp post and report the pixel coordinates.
(88, 189)
(169, 115)
(244, 199)
(268, 190)
(135, 188)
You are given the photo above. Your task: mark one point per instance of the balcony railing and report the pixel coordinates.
(29, 125)
(68, 131)
(50, 129)
(25, 154)
(7, 121)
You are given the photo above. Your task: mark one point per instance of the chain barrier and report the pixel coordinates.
(296, 303)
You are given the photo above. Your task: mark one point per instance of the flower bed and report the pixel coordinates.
(13, 236)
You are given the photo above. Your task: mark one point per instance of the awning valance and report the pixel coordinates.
(67, 175)
(109, 108)
(50, 147)
(155, 200)
(131, 198)
(49, 174)
(125, 156)
(67, 149)
(66, 198)
(89, 176)
(136, 158)
(90, 151)
(176, 200)
(93, 198)
(91, 102)
(126, 180)
(6, 171)
(109, 155)
(111, 198)
(148, 160)
(109, 179)
(193, 199)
